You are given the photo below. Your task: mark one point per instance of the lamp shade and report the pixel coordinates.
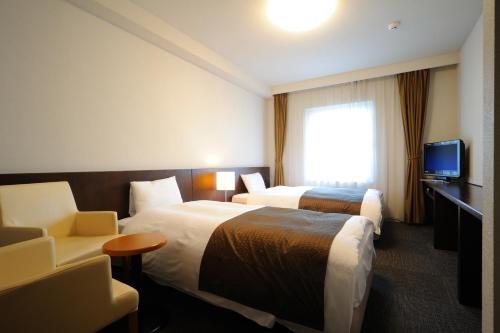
(225, 181)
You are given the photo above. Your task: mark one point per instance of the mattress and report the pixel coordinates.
(188, 227)
(289, 197)
(241, 198)
(122, 223)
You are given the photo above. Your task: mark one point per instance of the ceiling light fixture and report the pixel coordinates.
(394, 25)
(299, 15)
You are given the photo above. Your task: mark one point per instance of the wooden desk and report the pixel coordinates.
(455, 209)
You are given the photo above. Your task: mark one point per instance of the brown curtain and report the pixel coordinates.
(280, 111)
(413, 92)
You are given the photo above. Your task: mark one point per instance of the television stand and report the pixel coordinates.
(434, 181)
(443, 180)
(455, 209)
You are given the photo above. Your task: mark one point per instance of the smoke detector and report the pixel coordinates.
(394, 25)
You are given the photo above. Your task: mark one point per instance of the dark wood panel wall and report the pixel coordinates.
(109, 190)
(204, 182)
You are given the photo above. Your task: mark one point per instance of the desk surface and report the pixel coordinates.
(466, 195)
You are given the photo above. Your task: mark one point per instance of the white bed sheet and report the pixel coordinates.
(289, 197)
(122, 223)
(188, 227)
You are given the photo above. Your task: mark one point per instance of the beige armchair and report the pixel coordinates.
(37, 296)
(28, 211)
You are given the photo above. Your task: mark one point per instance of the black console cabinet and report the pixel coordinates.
(455, 209)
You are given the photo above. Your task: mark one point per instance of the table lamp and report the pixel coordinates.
(225, 182)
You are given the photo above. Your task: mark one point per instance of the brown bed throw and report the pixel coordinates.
(333, 200)
(274, 260)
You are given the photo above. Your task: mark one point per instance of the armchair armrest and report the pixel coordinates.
(96, 223)
(22, 261)
(76, 297)
(10, 234)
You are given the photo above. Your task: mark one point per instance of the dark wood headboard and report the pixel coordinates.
(106, 190)
(109, 190)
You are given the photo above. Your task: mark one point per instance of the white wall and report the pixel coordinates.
(471, 100)
(442, 106)
(77, 94)
(491, 173)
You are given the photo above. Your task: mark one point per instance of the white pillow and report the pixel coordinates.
(254, 182)
(145, 195)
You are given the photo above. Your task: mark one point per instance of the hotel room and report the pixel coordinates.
(249, 166)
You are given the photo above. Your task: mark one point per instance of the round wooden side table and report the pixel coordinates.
(130, 248)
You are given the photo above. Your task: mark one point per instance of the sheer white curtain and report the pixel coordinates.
(348, 135)
(331, 126)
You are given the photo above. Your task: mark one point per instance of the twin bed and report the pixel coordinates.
(309, 271)
(354, 201)
(190, 226)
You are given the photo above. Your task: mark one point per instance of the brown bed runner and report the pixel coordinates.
(333, 200)
(274, 260)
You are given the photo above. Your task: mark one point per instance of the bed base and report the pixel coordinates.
(359, 312)
(357, 317)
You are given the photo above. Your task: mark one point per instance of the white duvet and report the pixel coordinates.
(188, 227)
(289, 197)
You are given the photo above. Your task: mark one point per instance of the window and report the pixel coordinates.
(339, 144)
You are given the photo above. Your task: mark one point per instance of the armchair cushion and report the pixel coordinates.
(96, 223)
(74, 248)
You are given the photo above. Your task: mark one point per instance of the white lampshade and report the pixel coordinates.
(225, 181)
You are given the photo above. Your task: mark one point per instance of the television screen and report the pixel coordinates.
(443, 158)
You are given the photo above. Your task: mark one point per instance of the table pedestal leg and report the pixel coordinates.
(132, 271)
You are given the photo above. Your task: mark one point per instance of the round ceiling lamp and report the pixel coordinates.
(299, 15)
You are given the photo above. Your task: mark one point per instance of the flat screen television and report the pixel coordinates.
(445, 159)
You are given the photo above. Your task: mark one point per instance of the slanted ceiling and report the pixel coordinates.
(234, 40)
